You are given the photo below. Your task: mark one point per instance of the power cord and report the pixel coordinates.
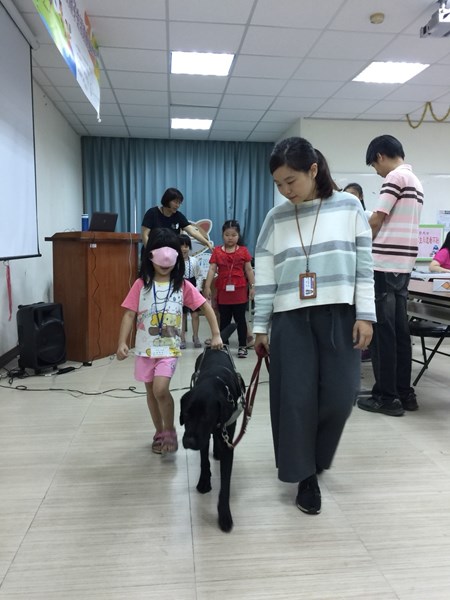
(77, 393)
(18, 373)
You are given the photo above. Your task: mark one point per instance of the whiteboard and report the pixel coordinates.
(436, 189)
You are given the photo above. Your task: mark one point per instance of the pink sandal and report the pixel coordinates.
(157, 443)
(169, 442)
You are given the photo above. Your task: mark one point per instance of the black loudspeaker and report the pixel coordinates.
(42, 341)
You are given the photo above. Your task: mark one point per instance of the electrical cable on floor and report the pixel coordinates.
(11, 374)
(78, 393)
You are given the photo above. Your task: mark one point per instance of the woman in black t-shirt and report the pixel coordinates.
(168, 216)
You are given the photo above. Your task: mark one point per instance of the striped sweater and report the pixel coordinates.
(401, 199)
(340, 256)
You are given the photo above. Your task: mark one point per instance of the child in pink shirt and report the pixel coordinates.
(441, 260)
(155, 303)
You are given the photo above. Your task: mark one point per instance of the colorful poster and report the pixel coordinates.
(430, 240)
(71, 31)
(443, 218)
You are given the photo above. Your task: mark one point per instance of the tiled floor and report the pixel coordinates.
(88, 512)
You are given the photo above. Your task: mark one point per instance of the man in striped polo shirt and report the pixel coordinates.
(395, 230)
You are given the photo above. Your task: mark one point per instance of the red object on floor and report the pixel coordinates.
(8, 287)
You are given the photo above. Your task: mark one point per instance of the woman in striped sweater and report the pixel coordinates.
(314, 292)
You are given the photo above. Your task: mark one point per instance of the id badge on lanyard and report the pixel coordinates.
(307, 285)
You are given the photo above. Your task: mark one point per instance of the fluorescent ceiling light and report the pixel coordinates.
(191, 123)
(390, 72)
(201, 63)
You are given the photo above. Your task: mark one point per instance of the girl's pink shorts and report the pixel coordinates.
(146, 369)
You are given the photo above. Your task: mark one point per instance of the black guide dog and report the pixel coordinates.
(211, 407)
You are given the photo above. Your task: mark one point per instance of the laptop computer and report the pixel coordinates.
(103, 221)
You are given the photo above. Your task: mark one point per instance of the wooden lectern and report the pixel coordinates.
(92, 273)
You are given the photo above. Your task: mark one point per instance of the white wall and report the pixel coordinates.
(344, 144)
(60, 205)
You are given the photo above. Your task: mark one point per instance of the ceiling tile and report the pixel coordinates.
(422, 93)
(284, 13)
(310, 89)
(130, 33)
(345, 105)
(361, 45)
(138, 81)
(231, 11)
(299, 105)
(277, 67)
(280, 116)
(207, 84)
(273, 41)
(142, 97)
(123, 59)
(149, 132)
(137, 9)
(329, 69)
(392, 108)
(201, 37)
(188, 134)
(235, 135)
(263, 87)
(243, 101)
(107, 121)
(364, 91)
(144, 111)
(220, 125)
(192, 112)
(99, 130)
(194, 99)
(293, 60)
(406, 48)
(86, 108)
(147, 122)
(354, 16)
(240, 115)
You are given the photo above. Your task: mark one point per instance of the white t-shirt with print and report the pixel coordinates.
(159, 311)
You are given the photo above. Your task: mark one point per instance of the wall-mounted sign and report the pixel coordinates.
(430, 240)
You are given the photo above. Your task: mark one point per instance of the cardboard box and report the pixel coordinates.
(441, 285)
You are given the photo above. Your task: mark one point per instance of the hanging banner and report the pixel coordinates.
(70, 29)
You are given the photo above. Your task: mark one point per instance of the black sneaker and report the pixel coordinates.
(371, 404)
(410, 401)
(308, 498)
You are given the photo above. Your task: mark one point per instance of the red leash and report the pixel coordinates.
(251, 392)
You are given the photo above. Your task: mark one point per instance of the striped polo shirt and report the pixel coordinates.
(401, 199)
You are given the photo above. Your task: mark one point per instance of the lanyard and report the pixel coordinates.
(230, 272)
(161, 320)
(312, 236)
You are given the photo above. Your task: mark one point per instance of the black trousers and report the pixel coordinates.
(237, 312)
(314, 380)
(391, 343)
